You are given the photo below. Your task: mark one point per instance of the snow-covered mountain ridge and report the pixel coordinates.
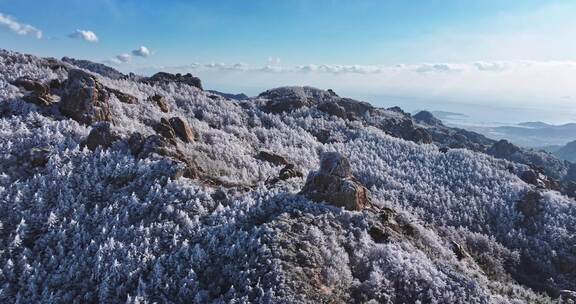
(142, 190)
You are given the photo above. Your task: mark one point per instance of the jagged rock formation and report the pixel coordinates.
(334, 184)
(85, 99)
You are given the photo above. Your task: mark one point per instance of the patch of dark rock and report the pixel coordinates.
(240, 96)
(94, 67)
(459, 251)
(166, 78)
(160, 102)
(38, 93)
(101, 136)
(322, 135)
(289, 171)
(333, 109)
(503, 149)
(38, 157)
(427, 118)
(165, 129)
(123, 97)
(272, 158)
(182, 130)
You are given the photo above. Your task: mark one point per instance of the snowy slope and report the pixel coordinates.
(105, 226)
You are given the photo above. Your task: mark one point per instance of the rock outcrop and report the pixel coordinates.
(101, 135)
(85, 99)
(287, 99)
(165, 129)
(334, 184)
(272, 158)
(38, 93)
(123, 97)
(144, 147)
(183, 131)
(165, 78)
(161, 102)
(427, 118)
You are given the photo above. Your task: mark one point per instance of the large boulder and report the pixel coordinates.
(166, 78)
(85, 99)
(101, 135)
(182, 130)
(334, 184)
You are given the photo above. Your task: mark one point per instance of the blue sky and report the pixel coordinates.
(489, 51)
(297, 31)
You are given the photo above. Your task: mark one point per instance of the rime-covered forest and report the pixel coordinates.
(130, 189)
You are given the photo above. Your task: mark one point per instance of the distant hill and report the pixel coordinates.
(532, 134)
(567, 152)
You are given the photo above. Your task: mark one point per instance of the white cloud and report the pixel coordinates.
(141, 52)
(85, 35)
(274, 61)
(19, 28)
(124, 58)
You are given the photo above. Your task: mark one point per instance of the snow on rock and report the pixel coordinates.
(334, 184)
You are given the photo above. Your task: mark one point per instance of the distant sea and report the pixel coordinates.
(478, 115)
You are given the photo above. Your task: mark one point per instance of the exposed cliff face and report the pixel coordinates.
(183, 195)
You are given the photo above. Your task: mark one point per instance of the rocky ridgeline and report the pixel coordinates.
(83, 98)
